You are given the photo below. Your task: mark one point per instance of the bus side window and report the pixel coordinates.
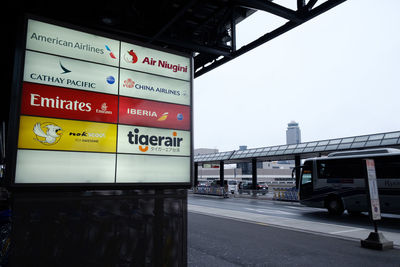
(306, 177)
(387, 167)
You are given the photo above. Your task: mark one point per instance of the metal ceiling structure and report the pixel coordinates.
(304, 150)
(206, 28)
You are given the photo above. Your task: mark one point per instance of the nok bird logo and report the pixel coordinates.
(47, 133)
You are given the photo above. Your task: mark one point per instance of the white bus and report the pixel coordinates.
(337, 182)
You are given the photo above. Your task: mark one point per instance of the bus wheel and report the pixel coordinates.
(334, 206)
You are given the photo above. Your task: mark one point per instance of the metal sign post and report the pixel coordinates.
(375, 239)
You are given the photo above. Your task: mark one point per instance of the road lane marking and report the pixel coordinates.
(271, 211)
(347, 231)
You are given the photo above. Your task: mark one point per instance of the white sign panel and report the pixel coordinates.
(153, 141)
(148, 60)
(62, 41)
(153, 87)
(152, 169)
(69, 73)
(82, 99)
(36, 166)
(373, 190)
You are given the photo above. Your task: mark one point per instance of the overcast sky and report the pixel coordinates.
(337, 75)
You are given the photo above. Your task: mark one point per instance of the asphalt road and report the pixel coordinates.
(219, 236)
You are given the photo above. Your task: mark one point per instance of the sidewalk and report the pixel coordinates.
(216, 241)
(321, 228)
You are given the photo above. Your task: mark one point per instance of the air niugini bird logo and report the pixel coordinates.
(47, 133)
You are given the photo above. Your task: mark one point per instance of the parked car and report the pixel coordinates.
(262, 186)
(232, 186)
(246, 187)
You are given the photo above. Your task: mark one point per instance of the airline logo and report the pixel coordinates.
(147, 86)
(155, 61)
(130, 57)
(62, 41)
(69, 73)
(142, 112)
(110, 52)
(42, 100)
(47, 133)
(145, 141)
(56, 134)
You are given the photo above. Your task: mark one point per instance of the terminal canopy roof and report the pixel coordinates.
(206, 28)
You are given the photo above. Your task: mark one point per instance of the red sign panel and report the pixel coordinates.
(51, 101)
(141, 112)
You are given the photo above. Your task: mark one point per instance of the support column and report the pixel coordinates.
(221, 173)
(297, 165)
(254, 173)
(196, 174)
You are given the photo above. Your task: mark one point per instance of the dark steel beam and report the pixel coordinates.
(254, 173)
(269, 7)
(273, 34)
(196, 174)
(178, 15)
(311, 4)
(196, 47)
(233, 30)
(301, 4)
(244, 49)
(323, 8)
(221, 173)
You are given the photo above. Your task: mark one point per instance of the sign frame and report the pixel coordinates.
(9, 180)
(371, 184)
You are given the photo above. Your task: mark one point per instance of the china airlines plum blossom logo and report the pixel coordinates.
(129, 83)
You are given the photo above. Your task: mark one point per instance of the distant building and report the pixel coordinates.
(246, 166)
(293, 134)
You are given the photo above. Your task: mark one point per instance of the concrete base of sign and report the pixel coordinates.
(376, 241)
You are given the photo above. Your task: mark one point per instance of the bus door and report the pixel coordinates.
(306, 181)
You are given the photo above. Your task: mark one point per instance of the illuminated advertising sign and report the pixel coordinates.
(148, 60)
(69, 73)
(55, 134)
(141, 112)
(38, 166)
(52, 39)
(142, 85)
(142, 169)
(153, 141)
(99, 111)
(44, 100)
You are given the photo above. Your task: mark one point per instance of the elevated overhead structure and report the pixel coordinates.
(299, 151)
(207, 27)
(304, 150)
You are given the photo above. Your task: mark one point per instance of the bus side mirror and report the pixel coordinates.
(293, 177)
(296, 175)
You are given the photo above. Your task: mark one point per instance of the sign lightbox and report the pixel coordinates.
(101, 111)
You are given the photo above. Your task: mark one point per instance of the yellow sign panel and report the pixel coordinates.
(58, 134)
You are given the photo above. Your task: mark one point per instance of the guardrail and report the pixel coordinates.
(210, 190)
(253, 191)
(286, 194)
